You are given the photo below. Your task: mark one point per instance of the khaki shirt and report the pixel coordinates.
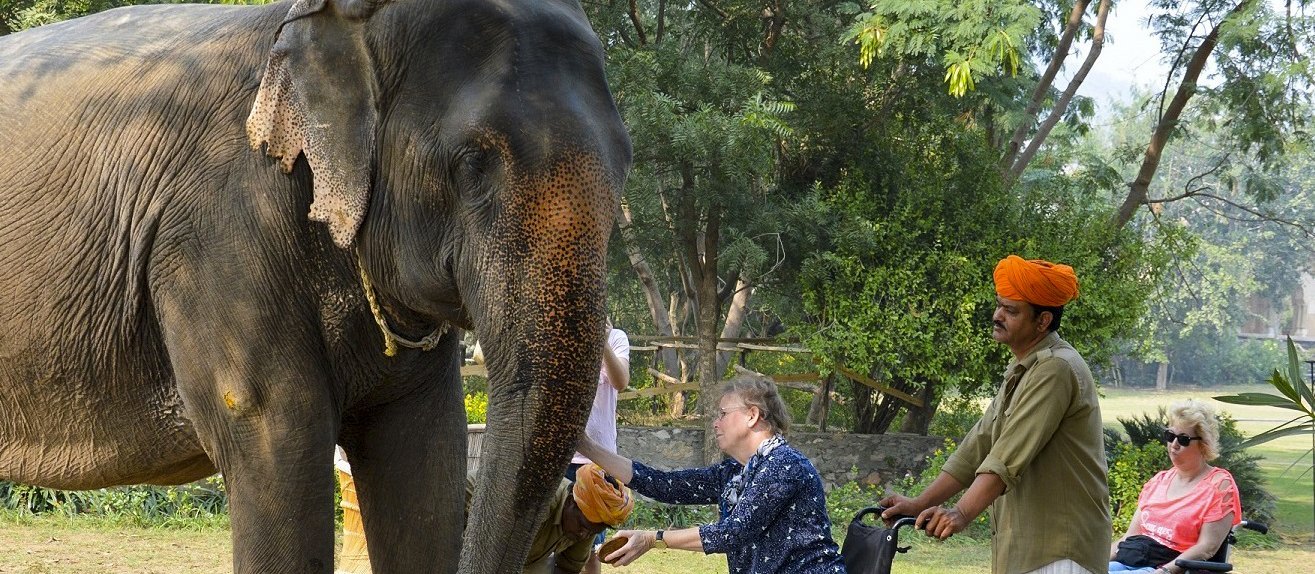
(551, 538)
(1042, 436)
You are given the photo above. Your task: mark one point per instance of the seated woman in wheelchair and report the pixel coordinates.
(1187, 511)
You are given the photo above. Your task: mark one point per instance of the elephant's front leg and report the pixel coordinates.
(408, 460)
(266, 417)
(277, 466)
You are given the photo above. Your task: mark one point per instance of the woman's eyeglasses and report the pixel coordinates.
(723, 412)
(1183, 440)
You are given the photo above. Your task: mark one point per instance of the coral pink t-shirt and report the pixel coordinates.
(1177, 522)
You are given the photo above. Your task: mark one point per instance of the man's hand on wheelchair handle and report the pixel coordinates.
(897, 505)
(941, 522)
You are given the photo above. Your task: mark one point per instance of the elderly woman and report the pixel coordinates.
(1187, 511)
(772, 507)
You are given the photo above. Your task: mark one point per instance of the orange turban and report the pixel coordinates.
(1038, 282)
(601, 498)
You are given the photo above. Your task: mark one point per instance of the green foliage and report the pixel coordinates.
(1146, 428)
(1129, 469)
(972, 39)
(955, 418)
(477, 407)
(1293, 395)
(901, 288)
(199, 503)
(651, 515)
(1230, 251)
(16, 15)
(845, 501)
(1257, 502)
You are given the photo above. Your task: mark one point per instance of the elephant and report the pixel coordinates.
(232, 237)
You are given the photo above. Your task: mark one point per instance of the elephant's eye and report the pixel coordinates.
(473, 167)
(475, 175)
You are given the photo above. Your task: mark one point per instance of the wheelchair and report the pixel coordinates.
(871, 549)
(1219, 562)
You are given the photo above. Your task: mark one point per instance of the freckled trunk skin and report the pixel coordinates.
(542, 335)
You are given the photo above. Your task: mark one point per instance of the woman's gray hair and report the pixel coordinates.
(760, 392)
(1203, 420)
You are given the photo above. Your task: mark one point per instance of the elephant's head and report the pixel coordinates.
(471, 153)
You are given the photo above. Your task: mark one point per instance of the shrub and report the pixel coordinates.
(652, 515)
(843, 502)
(955, 418)
(199, 503)
(477, 407)
(1129, 470)
(1257, 502)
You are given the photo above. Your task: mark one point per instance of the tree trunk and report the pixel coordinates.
(677, 406)
(1043, 84)
(1140, 187)
(917, 420)
(815, 405)
(1097, 43)
(705, 279)
(656, 306)
(735, 315)
(1162, 377)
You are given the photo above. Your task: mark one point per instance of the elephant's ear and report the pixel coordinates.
(319, 96)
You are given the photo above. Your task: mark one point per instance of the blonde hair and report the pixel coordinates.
(760, 392)
(1202, 418)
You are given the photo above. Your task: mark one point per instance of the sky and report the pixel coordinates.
(1130, 57)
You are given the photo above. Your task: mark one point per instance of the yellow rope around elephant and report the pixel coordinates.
(391, 339)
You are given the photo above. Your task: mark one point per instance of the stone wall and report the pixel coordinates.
(840, 458)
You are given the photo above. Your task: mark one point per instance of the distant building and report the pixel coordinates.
(1294, 317)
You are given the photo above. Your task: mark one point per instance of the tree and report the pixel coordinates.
(1238, 233)
(706, 125)
(1264, 76)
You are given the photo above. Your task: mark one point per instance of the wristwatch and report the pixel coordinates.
(660, 544)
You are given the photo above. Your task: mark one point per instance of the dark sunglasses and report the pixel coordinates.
(1183, 440)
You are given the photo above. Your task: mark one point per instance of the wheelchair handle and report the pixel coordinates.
(1257, 526)
(900, 521)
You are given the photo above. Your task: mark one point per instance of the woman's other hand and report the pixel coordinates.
(640, 541)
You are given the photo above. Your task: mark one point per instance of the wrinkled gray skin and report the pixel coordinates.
(169, 309)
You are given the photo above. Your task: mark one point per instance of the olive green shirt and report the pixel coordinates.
(551, 538)
(1042, 436)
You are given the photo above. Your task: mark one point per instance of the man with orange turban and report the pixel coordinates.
(1037, 456)
(577, 512)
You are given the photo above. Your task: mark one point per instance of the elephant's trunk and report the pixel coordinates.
(541, 326)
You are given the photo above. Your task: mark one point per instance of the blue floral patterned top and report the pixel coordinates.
(779, 523)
